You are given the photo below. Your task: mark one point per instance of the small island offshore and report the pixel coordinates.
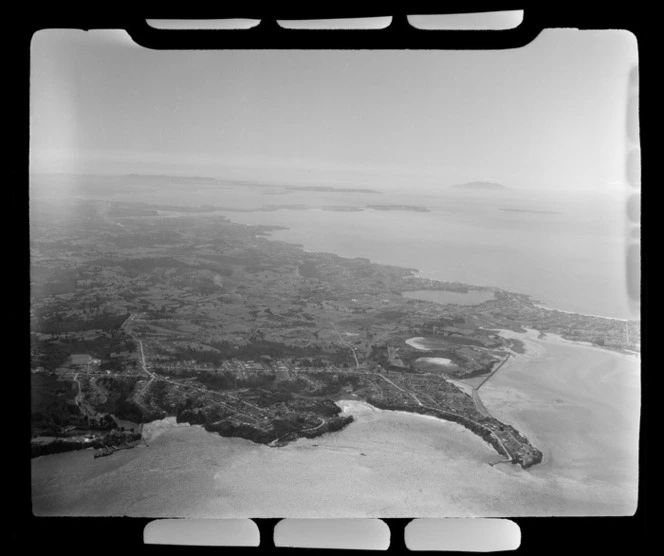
(137, 316)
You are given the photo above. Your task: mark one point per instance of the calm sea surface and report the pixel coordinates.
(578, 404)
(571, 258)
(566, 250)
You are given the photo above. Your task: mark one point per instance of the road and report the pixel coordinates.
(477, 401)
(357, 363)
(143, 363)
(399, 388)
(85, 409)
(493, 372)
(144, 367)
(78, 396)
(322, 422)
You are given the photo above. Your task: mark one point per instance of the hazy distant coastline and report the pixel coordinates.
(481, 186)
(95, 186)
(532, 211)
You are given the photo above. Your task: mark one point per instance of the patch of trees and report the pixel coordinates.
(221, 269)
(326, 408)
(481, 371)
(60, 324)
(258, 347)
(56, 447)
(339, 423)
(114, 364)
(56, 288)
(201, 356)
(118, 402)
(281, 427)
(444, 321)
(268, 398)
(105, 422)
(390, 315)
(328, 384)
(52, 403)
(378, 354)
(135, 267)
(241, 430)
(45, 388)
(297, 385)
(129, 411)
(191, 416)
(112, 439)
(227, 380)
(308, 269)
(53, 353)
(276, 350)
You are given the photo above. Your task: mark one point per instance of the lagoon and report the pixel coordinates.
(578, 404)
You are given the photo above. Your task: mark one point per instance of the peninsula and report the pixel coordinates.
(137, 316)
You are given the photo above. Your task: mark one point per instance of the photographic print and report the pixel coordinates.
(333, 283)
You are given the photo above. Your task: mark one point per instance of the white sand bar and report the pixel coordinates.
(417, 343)
(578, 404)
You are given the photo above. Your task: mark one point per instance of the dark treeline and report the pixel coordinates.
(59, 324)
(228, 381)
(53, 353)
(119, 398)
(110, 440)
(137, 266)
(259, 348)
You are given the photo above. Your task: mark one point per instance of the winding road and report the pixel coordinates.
(357, 363)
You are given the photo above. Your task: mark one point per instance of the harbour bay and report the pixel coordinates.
(579, 403)
(252, 294)
(573, 261)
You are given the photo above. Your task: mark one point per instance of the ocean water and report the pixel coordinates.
(578, 404)
(572, 258)
(567, 250)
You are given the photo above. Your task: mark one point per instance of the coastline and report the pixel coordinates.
(350, 407)
(591, 394)
(416, 273)
(396, 463)
(547, 308)
(548, 337)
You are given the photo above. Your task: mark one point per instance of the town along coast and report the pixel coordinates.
(254, 338)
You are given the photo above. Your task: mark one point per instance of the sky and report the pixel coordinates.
(550, 114)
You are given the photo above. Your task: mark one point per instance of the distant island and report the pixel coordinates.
(481, 186)
(214, 323)
(328, 189)
(533, 211)
(398, 207)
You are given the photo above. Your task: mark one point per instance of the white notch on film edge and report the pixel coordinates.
(202, 532)
(202, 24)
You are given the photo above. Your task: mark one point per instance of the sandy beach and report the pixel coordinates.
(580, 405)
(577, 404)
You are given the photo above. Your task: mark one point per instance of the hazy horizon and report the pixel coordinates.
(546, 116)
